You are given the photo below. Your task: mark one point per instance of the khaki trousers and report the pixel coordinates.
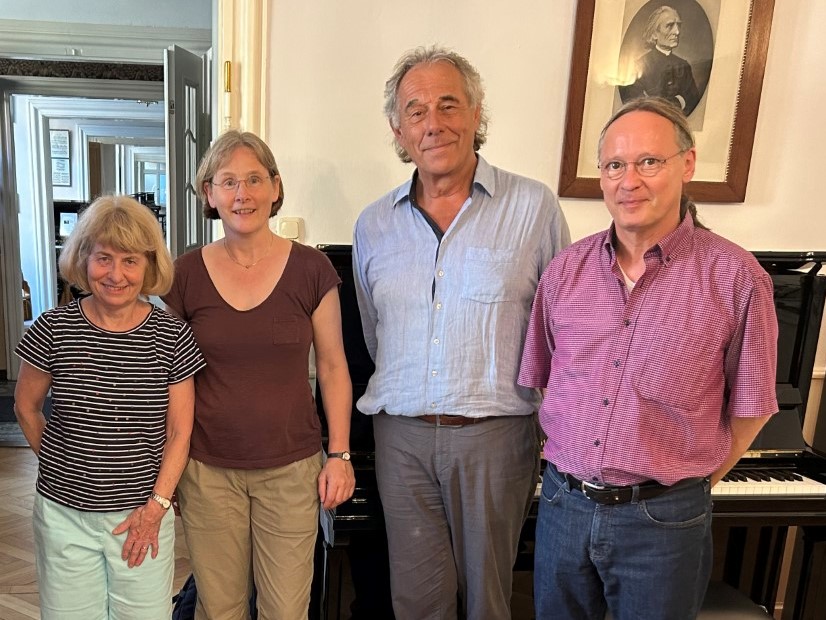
(256, 524)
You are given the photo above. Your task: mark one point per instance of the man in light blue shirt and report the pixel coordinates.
(446, 267)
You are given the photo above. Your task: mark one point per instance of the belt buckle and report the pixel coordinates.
(586, 486)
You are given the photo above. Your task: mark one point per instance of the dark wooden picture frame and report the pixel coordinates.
(573, 184)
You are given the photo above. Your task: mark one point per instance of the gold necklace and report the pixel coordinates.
(252, 264)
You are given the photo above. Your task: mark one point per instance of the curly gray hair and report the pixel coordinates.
(428, 55)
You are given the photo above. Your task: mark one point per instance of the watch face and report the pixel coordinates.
(345, 456)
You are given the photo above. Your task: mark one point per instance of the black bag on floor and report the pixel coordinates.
(183, 603)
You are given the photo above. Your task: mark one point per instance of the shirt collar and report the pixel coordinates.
(667, 247)
(483, 177)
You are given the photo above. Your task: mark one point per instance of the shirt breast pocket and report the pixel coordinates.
(285, 331)
(683, 368)
(487, 275)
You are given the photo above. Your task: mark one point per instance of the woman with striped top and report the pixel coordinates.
(121, 375)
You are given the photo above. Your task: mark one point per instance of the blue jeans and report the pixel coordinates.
(646, 559)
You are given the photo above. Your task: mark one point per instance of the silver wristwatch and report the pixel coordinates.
(165, 503)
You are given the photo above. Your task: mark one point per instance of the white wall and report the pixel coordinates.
(329, 60)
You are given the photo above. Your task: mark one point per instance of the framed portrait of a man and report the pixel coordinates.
(667, 51)
(707, 57)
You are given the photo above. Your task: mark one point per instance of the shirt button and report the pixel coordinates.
(432, 405)
(439, 306)
(433, 373)
(626, 322)
(436, 341)
(596, 443)
(606, 402)
(616, 363)
(440, 273)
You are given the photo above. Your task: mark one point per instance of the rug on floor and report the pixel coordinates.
(11, 436)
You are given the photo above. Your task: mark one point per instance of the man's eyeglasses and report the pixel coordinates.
(253, 182)
(646, 166)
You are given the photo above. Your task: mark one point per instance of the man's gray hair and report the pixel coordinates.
(682, 133)
(649, 33)
(474, 90)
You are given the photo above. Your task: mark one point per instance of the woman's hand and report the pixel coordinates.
(142, 527)
(336, 483)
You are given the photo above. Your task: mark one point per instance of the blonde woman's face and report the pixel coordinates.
(115, 278)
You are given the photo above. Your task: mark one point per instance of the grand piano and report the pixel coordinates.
(780, 482)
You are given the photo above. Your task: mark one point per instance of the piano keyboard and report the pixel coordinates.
(745, 481)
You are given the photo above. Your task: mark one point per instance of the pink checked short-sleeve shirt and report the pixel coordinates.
(641, 384)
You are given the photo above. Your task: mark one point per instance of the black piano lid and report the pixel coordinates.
(358, 359)
(799, 295)
(359, 362)
(799, 280)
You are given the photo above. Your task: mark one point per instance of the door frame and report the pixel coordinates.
(13, 326)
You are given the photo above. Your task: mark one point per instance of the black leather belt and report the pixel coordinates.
(603, 494)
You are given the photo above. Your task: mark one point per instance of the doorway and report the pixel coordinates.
(126, 117)
(67, 151)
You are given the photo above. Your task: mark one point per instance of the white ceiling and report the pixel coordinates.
(195, 14)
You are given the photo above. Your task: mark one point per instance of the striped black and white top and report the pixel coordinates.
(101, 450)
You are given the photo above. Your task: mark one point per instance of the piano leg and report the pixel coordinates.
(353, 574)
(749, 558)
(805, 595)
(369, 564)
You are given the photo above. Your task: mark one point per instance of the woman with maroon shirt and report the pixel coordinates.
(251, 493)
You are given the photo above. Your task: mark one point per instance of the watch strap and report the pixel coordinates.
(164, 502)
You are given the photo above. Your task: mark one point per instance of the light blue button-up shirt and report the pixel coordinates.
(445, 320)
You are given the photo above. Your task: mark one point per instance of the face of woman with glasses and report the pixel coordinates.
(243, 192)
(642, 173)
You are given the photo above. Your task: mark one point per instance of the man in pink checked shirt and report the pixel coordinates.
(655, 342)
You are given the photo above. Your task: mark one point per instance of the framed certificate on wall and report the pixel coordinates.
(61, 172)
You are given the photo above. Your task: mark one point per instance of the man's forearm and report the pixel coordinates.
(743, 432)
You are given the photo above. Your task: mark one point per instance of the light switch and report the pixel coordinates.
(291, 228)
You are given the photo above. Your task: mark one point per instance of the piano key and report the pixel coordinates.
(756, 482)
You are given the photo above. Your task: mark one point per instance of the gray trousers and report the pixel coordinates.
(455, 500)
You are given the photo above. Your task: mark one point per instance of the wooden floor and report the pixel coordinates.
(18, 579)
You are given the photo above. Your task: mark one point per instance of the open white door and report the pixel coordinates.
(188, 130)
